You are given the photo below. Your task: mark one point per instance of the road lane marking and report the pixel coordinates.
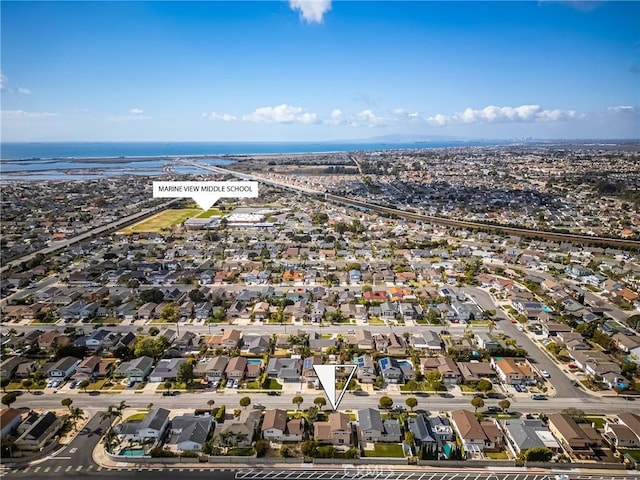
(58, 468)
(68, 469)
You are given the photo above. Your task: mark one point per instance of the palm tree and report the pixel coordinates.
(75, 414)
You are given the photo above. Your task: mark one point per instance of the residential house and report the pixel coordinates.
(151, 427)
(525, 434)
(474, 372)
(211, 368)
(166, 369)
(366, 369)
(337, 430)
(39, 432)
(420, 428)
(10, 418)
(428, 340)
(236, 368)
(373, 429)
(578, 439)
(514, 372)
(625, 433)
(277, 427)
(189, 432)
(63, 368)
(476, 436)
(395, 371)
(446, 366)
(135, 370)
(364, 340)
(284, 369)
(244, 428)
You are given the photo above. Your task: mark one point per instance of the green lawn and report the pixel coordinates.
(599, 421)
(210, 213)
(164, 219)
(633, 453)
(497, 455)
(271, 384)
(385, 450)
(376, 321)
(136, 417)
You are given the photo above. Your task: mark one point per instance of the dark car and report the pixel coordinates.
(493, 409)
(273, 393)
(479, 395)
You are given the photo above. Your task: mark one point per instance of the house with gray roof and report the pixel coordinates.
(284, 369)
(151, 427)
(39, 432)
(189, 432)
(420, 429)
(526, 434)
(135, 370)
(166, 369)
(373, 429)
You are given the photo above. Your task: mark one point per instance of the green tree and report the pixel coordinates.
(169, 313)
(83, 385)
(245, 402)
(4, 382)
(66, 402)
(504, 405)
(538, 454)
(285, 452)
(153, 331)
(211, 402)
(409, 437)
(185, 373)
(168, 384)
(484, 385)
(261, 447)
(9, 398)
(320, 402)
(477, 402)
(27, 383)
(386, 402)
(297, 400)
(152, 295)
(411, 402)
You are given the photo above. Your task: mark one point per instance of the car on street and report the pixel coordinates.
(538, 397)
(273, 393)
(545, 374)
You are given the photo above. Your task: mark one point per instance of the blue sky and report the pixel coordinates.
(318, 70)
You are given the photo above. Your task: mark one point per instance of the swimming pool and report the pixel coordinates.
(132, 452)
(406, 363)
(254, 361)
(546, 309)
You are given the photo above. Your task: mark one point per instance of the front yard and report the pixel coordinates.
(393, 450)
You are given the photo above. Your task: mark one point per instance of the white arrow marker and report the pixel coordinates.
(327, 377)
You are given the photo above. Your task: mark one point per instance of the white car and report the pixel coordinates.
(545, 374)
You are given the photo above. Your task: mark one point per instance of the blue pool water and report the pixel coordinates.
(447, 448)
(405, 362)
(132, 452)
(546, 309)
(255, 361)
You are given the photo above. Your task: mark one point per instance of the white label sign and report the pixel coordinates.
(205, 194)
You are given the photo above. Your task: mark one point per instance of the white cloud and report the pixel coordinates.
(215, 116)
(134, 114)
(367, 118)
(3, 81)
(336, 117)
(26, 115)
(280, 114)
(312, 11)
(494, 114)
(24, 91)
(624, 110)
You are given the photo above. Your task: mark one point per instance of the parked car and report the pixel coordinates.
(538, 397)
(493, 409)
(545, 374)
(273, 393)
(229, 383)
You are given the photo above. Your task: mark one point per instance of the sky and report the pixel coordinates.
(318, 70)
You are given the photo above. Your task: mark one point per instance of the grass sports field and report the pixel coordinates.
(162, 220)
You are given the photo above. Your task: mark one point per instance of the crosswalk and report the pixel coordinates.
(60, 469)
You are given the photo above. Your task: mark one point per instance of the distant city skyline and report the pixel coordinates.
(316, 70)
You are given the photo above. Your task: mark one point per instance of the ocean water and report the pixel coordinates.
(77, 161)
(67, 150)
